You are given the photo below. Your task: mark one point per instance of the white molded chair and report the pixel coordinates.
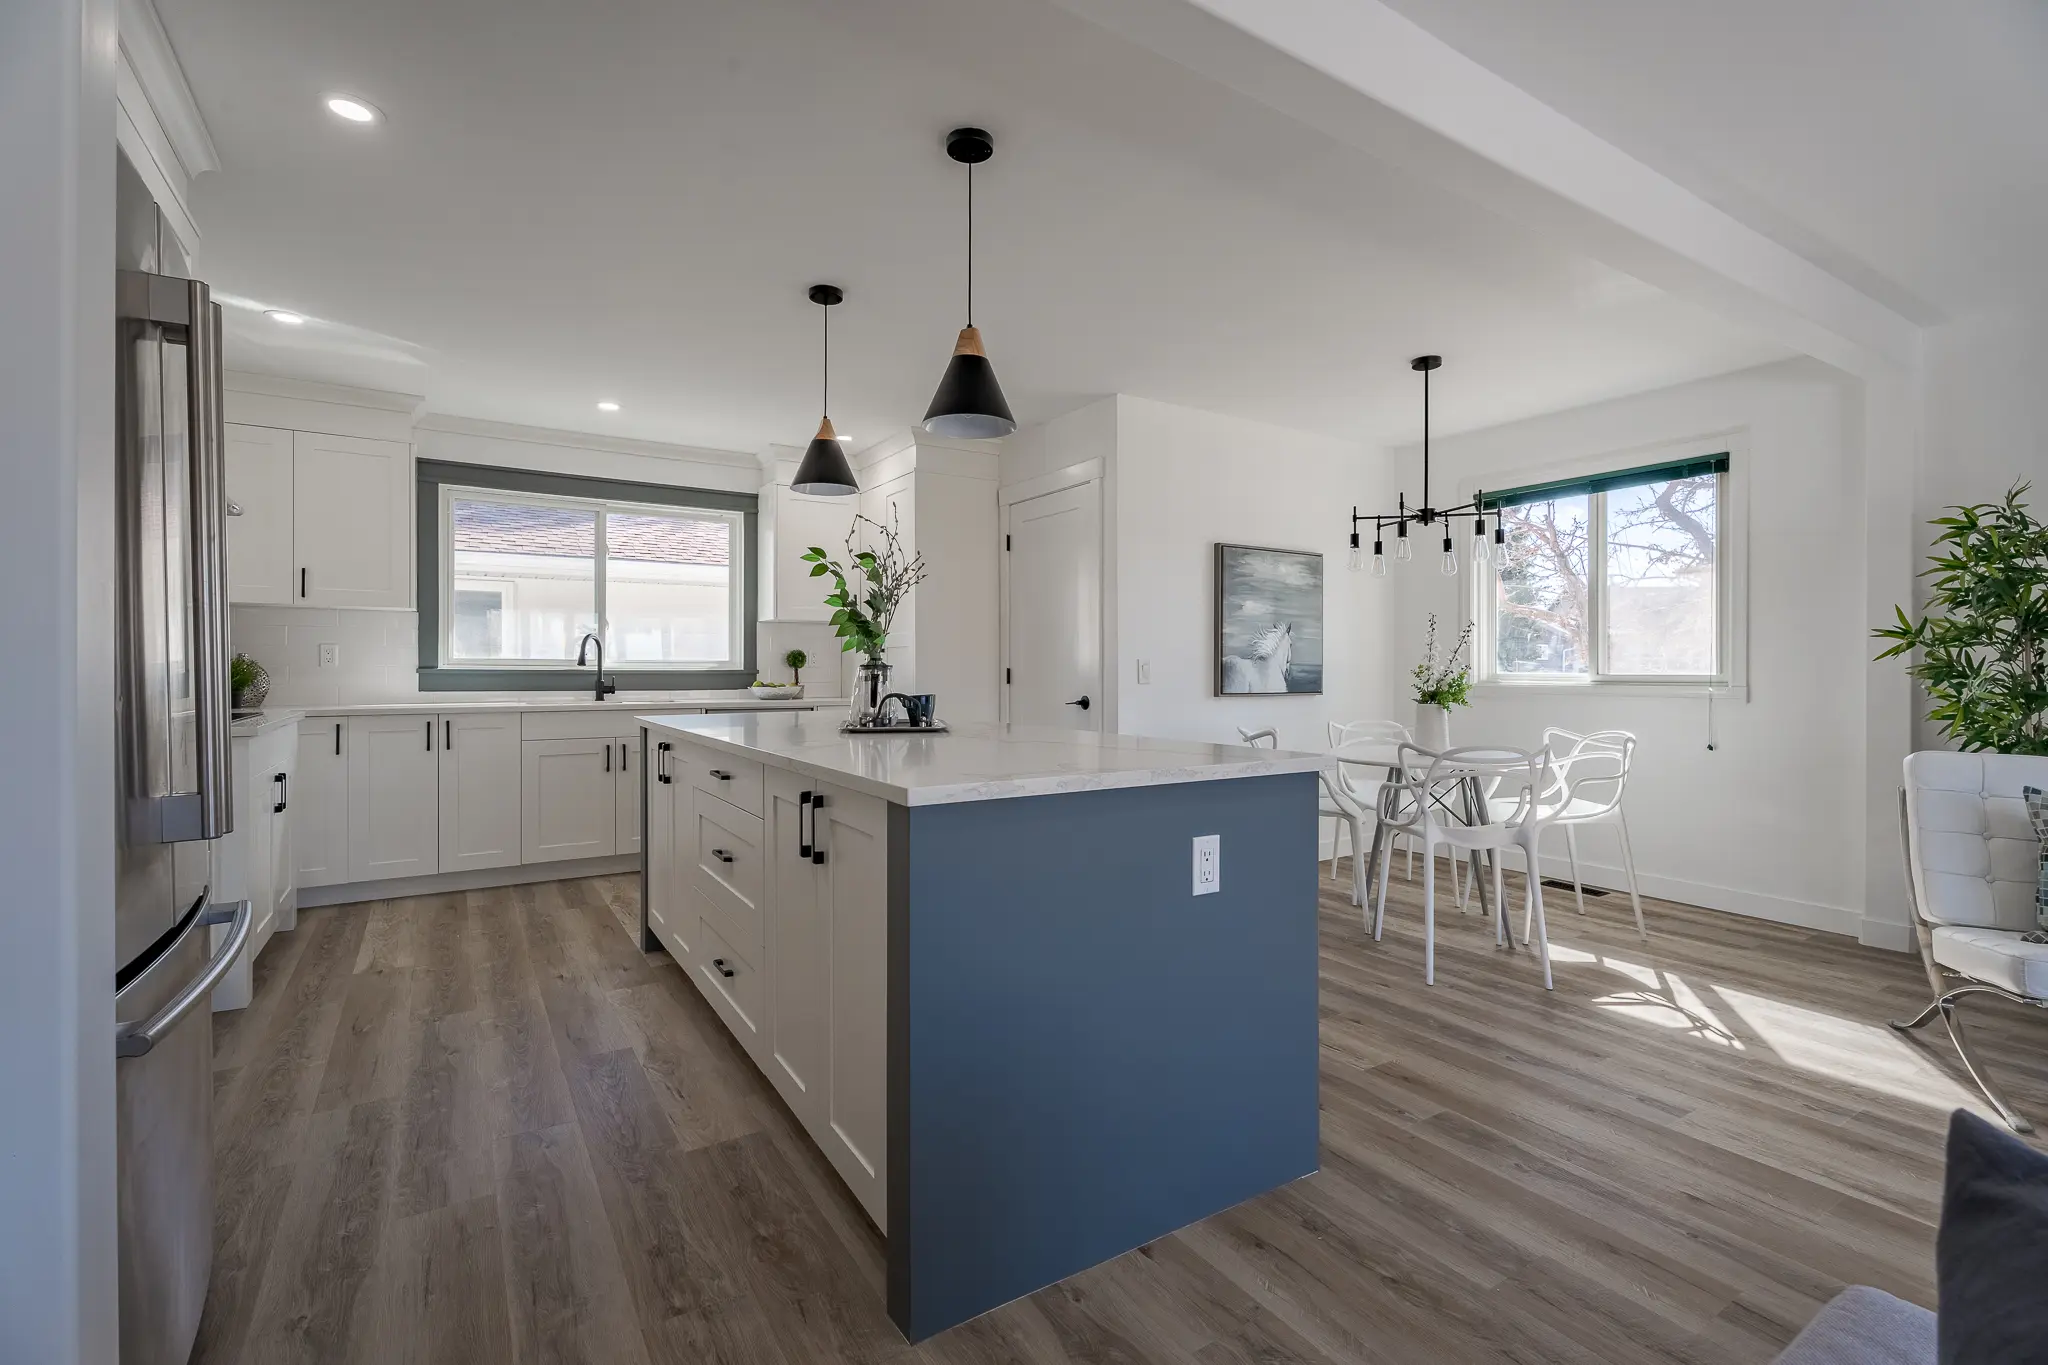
(1364, 792)
(1529, 776)
(1971, 874)
(1597, 767)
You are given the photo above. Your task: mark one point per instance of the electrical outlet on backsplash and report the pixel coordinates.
(378, 653)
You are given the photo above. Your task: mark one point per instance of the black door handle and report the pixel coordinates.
(302, 582)
(430, 736)
(607, 758)
(803, 808)
(1082, 703)
(660, 761)
(337, 739)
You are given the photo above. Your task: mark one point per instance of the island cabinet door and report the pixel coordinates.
(827, 950)
(666, 902)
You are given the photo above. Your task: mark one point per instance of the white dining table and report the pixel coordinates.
(1473, 809)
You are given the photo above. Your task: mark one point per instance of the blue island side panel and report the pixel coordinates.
(1084, 1055)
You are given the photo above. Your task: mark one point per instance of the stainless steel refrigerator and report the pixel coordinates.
(172, 757)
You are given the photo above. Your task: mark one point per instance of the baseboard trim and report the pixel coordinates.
(1830, 919)
(352, 893)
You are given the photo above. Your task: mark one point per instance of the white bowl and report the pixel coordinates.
(777, 692)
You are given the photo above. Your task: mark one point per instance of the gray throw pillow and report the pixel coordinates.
(1991, 1254)
(2037, 813)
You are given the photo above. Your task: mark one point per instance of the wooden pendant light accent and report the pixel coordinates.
(969, 342)
(825, 432)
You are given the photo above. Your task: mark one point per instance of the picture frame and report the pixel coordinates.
(1269, 621)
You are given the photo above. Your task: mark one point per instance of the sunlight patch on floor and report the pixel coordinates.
(1866, 1055)
(1664, 999)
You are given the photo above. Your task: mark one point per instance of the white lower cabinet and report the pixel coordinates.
(255, 862)
(568, 795)
(626, 797)
(782, 921)
(320, 803)
(478, 778)
(393, 797)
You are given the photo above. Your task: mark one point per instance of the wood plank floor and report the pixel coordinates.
(485, 1128)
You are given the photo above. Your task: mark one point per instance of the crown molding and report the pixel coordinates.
(163, 83)
(312, 391)
(582, 440)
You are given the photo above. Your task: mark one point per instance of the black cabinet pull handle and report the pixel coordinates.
(622, 755)
(447, 734)
(817, 844)
(721, 775)
(803, 808)
(607, 758)
(430, 736)
(337, 739)
(661, 761)
(1082, 703)
(302, 581)
(283, 794)
(721, 855)
(723, 970)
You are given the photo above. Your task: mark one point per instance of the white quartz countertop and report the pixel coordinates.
(249, 726)
(974, 762)
(737, 700)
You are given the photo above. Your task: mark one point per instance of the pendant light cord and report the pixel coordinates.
(1425, 438)
(825, 383)
(970, 244)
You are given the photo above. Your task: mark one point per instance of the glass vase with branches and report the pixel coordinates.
(868, 586)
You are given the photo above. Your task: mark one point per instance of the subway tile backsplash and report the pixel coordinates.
(380, 655)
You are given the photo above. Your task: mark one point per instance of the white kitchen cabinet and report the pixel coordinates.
(568, 799)
(259, 478)
(626, 798)
(664, 893)
(393, 797)
(895, 504)
(320, 803)
(352, 528)
(479, 781)
(826, 958)
(254, 862)
(800, 521)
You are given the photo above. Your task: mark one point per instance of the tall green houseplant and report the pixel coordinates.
(1983, 644)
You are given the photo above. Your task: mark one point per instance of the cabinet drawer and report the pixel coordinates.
(728, 868)
(585, 724)
(736, 780)
(732, 984)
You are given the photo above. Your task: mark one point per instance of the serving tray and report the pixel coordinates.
(937, 727)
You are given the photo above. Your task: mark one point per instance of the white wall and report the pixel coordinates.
(1771, 821)
(1177, 482)
(57, 1225)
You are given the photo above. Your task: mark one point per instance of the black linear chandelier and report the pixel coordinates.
(1426, 515)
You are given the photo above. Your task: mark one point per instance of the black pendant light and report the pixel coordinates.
(969, 402)
(824, 469)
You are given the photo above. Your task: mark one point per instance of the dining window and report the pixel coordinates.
(526, 575)
(1618, 577)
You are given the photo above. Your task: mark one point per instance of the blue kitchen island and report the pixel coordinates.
(996, 980)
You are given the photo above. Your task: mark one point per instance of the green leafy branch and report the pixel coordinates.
(1983, 644)
(867, 586)
(1447, 682)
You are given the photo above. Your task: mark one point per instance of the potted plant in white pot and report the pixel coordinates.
(1983, 642)
(1440, 684)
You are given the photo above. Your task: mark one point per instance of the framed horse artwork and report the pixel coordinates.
(1269, 621)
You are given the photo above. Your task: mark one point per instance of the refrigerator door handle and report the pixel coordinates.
(211, 687)
(135, 1040)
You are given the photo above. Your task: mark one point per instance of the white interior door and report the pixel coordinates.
(1053, 609)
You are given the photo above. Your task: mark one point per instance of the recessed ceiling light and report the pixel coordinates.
(289, 319)
(353, 109)
(607, 406)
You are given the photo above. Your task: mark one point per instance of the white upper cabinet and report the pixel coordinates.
(351, 521)
(393, 797)
(479, 790)
(799, 522)
(259, 473)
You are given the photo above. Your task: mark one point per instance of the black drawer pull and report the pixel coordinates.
(661, 761)
(721, 855)
(721, 775)
(723, 970)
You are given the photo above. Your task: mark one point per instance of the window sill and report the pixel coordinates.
(1738, 692)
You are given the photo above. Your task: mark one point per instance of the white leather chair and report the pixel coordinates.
(1971, 874)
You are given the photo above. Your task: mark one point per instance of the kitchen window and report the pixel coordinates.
(526, 564)
(1619, 577)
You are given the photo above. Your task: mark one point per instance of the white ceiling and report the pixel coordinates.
(627, 201)
(1900, 144)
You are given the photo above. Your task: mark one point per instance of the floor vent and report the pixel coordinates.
(1558, 884)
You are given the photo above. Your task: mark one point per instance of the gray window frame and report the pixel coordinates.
(435, 677)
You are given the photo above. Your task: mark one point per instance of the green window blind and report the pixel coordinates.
(1600, 483)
